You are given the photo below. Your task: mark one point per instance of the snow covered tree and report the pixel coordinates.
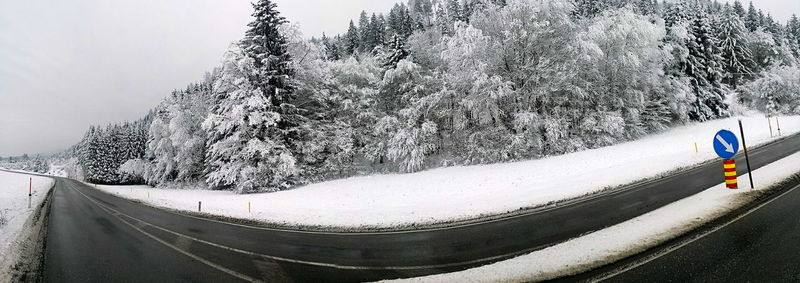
(400, 22)
(455, 12)
(245, 150)
(733, 42)
(351, 39)
(699, 58)
(777, 92)
(793, 35)
(422, 13)
(739, 9)
(254, 128)
(366, 43)
(627, 91)
(752, 20)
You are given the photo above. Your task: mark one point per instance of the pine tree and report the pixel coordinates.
(704, 67)
(739, 9)
(455, 12)
(443, 22)
(422, 13)
(733, 42)
(646, 7)
(253, 131)
(351, 39)
(331, 47)
(366, 43)
(398, 53)
(793, 35)
(752, 21)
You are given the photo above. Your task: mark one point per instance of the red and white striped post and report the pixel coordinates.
(730, 174)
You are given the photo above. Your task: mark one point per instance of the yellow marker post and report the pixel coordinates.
(696, 149)
(248, 207)
(730, 174)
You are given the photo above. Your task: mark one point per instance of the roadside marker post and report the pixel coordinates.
(730, 174)
(248, 207)
(746, 156)
(779, 126)
(199, 206)
(30, 187)
(726, 145)
(696, 149)
(769, 121)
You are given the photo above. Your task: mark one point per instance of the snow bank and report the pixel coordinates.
(14, 208)
(466, 192)
(628, 238)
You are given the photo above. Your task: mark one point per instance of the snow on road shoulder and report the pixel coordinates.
(628, 238)
(466, 192)
(14, 210)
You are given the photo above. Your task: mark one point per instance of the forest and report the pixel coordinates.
(435, 83)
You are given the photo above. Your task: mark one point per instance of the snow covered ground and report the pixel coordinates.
(628, 238)
(14, 209)
(466, 192)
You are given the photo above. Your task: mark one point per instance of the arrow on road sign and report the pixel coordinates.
(728, 146)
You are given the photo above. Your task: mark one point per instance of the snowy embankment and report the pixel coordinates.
(466, 192)
(16, 209)
(627, 238)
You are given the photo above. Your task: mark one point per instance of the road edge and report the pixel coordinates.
(28, 266)
(607, 271)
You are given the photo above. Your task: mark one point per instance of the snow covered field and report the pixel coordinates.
(465, 192)
(627, 238)
(14, 210)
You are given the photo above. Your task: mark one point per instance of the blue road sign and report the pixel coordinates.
(726, 144)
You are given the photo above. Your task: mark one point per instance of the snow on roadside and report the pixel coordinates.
(628, 238)
(466, 192)
(14, 210)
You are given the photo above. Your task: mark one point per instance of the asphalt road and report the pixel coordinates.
(762, 246)
(97, 237)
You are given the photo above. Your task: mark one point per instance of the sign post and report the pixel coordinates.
(726, 145)
(746, 156)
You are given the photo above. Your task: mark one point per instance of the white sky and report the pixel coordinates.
(68, 64)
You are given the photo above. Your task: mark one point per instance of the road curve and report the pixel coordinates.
(97, 237)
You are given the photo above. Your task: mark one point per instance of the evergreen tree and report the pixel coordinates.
(455, 12)
(443, 21)
(254, 129)
(332, 51)
(398, 53)
(422, 13)
(752, 21)
(733, 42)
(365, 42)
(400, 21)
(739, 9)
(704, 68)
(351, 39)
(646, 7)
(793, 35)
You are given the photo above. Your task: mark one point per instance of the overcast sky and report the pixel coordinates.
(68, 64)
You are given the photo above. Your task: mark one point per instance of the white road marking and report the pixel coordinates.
(338, 266)
(117, 214)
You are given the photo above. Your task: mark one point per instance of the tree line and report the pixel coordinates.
(444, 83)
